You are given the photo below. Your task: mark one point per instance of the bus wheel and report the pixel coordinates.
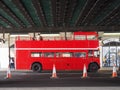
(93, 67)
(36, 67)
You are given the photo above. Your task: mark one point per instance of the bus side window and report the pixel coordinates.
(58, 54)
(90, 53)
(36, 54)
(96, 53)
(80, 37)
(83, 54)
(80, 54)
(49, 54)
(67, 54)
(91, 37)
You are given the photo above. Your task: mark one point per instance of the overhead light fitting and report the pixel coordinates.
(49, 35)
(111, 34)
(16, 35)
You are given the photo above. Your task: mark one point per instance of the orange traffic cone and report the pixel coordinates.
(114, 73)
(84, 72)
(54, 75)
(8, 76)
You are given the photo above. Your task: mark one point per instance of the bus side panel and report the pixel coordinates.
(22, 60)
(47, 63)
(60, 63)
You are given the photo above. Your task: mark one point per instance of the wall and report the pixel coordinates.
(4, 53)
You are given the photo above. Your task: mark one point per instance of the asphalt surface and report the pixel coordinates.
(65, 79)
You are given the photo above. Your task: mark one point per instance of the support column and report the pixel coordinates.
(101, 53)
(9, 46)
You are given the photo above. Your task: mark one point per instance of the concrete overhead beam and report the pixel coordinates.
(61, 29)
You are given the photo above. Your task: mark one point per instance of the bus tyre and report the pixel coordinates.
(36, 67)
(93, 67)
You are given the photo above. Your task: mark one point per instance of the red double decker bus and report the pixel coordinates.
(38, 55)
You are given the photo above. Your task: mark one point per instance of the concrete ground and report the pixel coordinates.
(22, 80)
(27, 80)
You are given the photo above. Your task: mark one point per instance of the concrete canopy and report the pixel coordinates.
(59, 15)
